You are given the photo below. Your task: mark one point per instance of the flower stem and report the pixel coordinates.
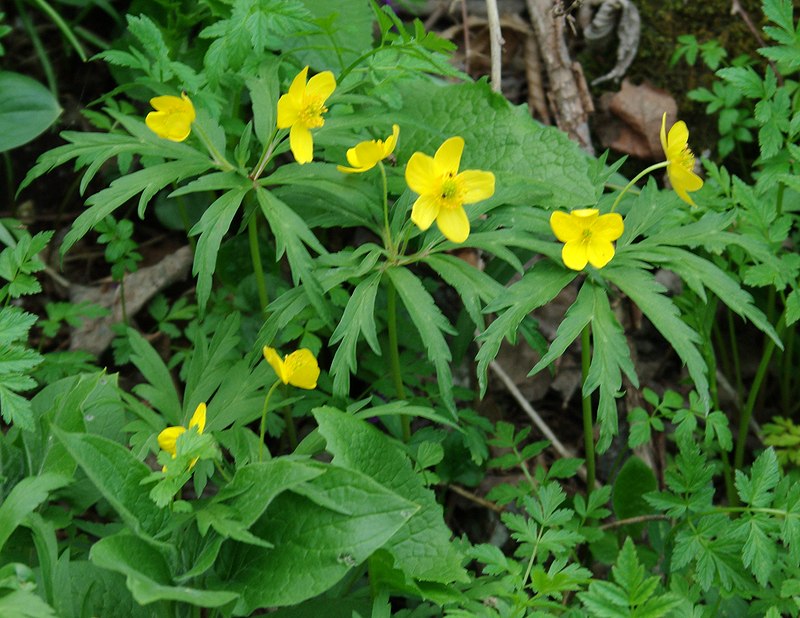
(636, 179)
(386, 230)
(265, 156)
(216, 155)
(394, 353)
(588, 424)
(255, 255)
(291, 430)
(264, 420)
(186, 223)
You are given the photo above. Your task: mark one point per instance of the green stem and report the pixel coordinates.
(255, 255)
(727, 473)
(755, 388)
(588, 424)
(41, 52)
(122, 300)
(186, 224)
(216, 155)
(394, 352)
(264, 420)
(387, 230)
(62, 25)
(265, 156)
(636, 179)
(291, 430)
(737, 368)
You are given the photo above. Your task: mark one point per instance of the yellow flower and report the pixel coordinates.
(173, 117)
(168, 438)
(587, 237)
(301, 109)
(299, 368)
(443, 191)
(680, 159)
(365, 155)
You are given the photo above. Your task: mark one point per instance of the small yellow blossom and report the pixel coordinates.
(173, 117)
(168, 438)
(443, 191)
(680, 159)
(365, 155)
(301, 109)
(587, 236)
(299, 368)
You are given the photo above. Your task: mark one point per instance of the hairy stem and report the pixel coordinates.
(264, 420)
(255, 256)
(636, 179)
(394, 353)
(588, 424)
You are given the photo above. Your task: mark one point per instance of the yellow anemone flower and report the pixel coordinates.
(365, 155)
(301, 109)
(168, 438)
(173, 117)
(680, 159)
(443, 191)
(299, 368)
(587, 236)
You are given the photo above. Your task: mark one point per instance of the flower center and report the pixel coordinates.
(449, 192)
(587, 234)
(686, 159)
(311, 116)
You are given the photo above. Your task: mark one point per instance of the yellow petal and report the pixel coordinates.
(475, 185)
(391, 141)
(321, 85)
(573, 254)
(301, 143)
(288, 112)
(448, 157)
(678, 136)
(421, 175)
(168, 437)
(599, 252)
(297, 91)
(608, 227)
(565, 227)
(199, 418)
(453, 223)
(174, 126)
(679, 176)
(664, 133)
(302, 369)
(276, 362)
(425, 211)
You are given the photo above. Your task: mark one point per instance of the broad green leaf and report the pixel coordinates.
(159, 389)
(536, 288)
(533, 164)
(642, 288)
(213, 225)
(118, 475)
(358, 320)
(633, 481)
(315, 545)
(422, 547)
(26, 109)
(24, 498)
(24, 604)
(430, 324)
(264, 93)
(148, 574)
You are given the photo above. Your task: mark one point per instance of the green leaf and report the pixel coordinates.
(422, 547)
(341, 517)
(160, 387)
(264, 93)
(504, 140)
(14, 325)
(213, 225)
(148, 574)
(430, 324)
(745, 79)
(118, 475)
(536, 288)
(81, 584)
(634, 480)
(24, 604)
(649, 296)
(764, 476)
(358, 319)
(24, 498)
(26, 109)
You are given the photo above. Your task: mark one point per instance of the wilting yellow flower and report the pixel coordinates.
(299, 368)
(587, 236)
(443, 191)
(365, 155)
(680, 159)
(168, 438)
(301, 109)
(173, 117)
